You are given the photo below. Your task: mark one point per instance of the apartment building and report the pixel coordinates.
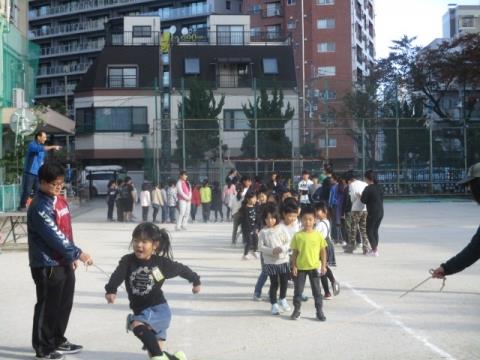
(460, 19)
(71, 34)
(129, 100)
(334, 46)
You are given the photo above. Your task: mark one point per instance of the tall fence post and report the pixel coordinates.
(363, 146)
(184, 162)
(431, 156)
(220, 150)
(292, 154)
(256, 123)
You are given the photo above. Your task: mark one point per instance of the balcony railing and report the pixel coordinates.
(128, 38)
(64, 29)
(53, 91)
(182, 12)
(78, 6)
(71, 49)
(234, 81)
(232, 38)
(59, 70)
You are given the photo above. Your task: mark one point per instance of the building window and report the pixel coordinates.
(112, 119)
(142, 31)
(255, 9)
(255, 33)
(273, 32)
(230, 35)
(273, 9)
(325, 2)
(122, 77)
(291, 24)
(228, 5)
(326, 47)
(468, 21)
(235, 119)
(192, 66)
(291, 2)
(332, 142)
(326, 24)
(270, 66)
(326, 71)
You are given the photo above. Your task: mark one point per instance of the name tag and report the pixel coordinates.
(157, 274)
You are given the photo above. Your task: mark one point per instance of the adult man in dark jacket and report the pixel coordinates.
(53, 259)
(471, 253)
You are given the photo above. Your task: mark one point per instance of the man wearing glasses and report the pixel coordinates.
(53, 259)
(33, 160)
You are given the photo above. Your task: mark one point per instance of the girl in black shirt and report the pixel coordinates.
(144, 272)
(250, 224)
(372, 196)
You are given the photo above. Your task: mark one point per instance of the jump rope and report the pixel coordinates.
(262, 344)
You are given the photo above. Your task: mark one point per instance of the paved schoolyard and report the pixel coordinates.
(366, 321)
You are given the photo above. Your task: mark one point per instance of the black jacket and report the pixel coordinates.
(464, 258)
(372, 196)
(143, 290)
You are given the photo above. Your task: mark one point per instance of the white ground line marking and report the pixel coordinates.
(394, 319)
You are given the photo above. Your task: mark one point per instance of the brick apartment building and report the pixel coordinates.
(339, 47)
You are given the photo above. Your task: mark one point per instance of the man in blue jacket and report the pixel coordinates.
(33, 160)
(53, 259)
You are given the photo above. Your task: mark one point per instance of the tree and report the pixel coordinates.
(201, 124)
(271, 119)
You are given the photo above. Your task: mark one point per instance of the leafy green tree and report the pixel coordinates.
(201, 124)
(271, 119)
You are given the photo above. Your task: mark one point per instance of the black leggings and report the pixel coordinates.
(324, 279)
(373, 223)
(275, 281)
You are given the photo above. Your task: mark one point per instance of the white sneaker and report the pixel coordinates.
(254, 254)
(275, 309)
(284, 305)
(246, 257)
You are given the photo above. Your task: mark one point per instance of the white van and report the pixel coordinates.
(97, 177)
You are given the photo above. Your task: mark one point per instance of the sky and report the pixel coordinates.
(421, 18)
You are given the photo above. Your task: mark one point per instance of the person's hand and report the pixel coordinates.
(196, 289)
(323, 270)
(438, 273)
(294, 271)
(57, 147)
(110, 298)
(75, 265)
(278, 250)
(86, 259)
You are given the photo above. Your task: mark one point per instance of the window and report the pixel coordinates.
(326, 47)
(255, 9)
(142, 31)
(255, 33)
(230, 35)
(325, 2)
(468, 21)
(291, 2)
(273, 9)
(270, 66)
(326, 71)
(326, 24)
(332, 142)
(235, 120)
(192, 66)
(112, 119)
(273, 32)
(228, 5)
(122, 77)
(291, 24)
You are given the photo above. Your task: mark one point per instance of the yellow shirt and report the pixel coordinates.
(308, 245)
(205, 194)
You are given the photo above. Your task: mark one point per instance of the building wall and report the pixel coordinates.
(461, 19)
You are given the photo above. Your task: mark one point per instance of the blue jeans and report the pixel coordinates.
(262, 279)
(28, 181)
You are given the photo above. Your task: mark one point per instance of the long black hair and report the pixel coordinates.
(272, 210)
(160, 237)
(475, 189)
(370, 175)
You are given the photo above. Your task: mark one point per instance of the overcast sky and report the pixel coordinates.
(421, 18)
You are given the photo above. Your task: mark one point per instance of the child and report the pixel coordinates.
(144, 272)
(145, 201)
(206, 199)
(111, 196)
(274, 243)
(195, 201)
(324, 227)
(172, 200)
(157, 202)
(249, 222)
(308, 247)
(304, 188)
(217, 205)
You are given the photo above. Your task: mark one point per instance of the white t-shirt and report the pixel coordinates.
(145, 199)
(292, 228)
(304, 189)
(355, 190)
(323, 226)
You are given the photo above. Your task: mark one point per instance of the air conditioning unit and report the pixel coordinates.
(18, 98)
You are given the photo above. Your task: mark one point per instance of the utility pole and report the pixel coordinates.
(255, 117)
(302, 13)
(156, 155)
(184, 162)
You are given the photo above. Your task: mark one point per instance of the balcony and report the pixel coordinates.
(234, 81)
(71, 49)
(232, 38)
(75, 7)
(61, 70)
(272, 11)
(65, 29)
(54, 91)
